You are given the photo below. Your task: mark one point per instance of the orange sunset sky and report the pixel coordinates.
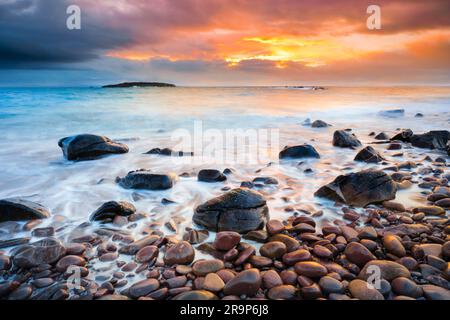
(228, 42)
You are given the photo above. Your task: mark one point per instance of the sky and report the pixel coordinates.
(224, 42)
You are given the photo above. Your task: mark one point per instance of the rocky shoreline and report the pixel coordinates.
(295, 259)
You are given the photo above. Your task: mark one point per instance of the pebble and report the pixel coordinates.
(70, 260)
(282, 292)
(196, 295)
(358, 254)
(393, 245)
(273, 249)
(213, 283)
(226, 240)
(203, 267)
(331, 285)
(143, 288)
(310, 269)
(293, 257)
(389, 270)
(406, 287)
(179, 253)
(361, 290)
(245, 283)
(147, 254)
(274, 227)
(271, 279)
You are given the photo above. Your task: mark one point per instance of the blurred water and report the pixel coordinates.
(32, 120)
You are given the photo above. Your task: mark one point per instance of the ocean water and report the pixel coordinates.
(32, 120)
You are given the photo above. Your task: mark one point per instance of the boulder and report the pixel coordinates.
(211, 175)
(404, 136)
(89, 147)
(360, 188)
(369, 155)
(431, 140)
(319, 124)
(111, 209)
(381, 136)
(144, 179)
(298, 152)
(240, 210)
(392, 113)
(169, 152)
(45, 251)
(16, 209)
(344, 139)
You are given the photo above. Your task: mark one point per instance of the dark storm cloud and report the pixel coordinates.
(33, 34)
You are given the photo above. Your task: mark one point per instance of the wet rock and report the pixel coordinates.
(369, 155)
(16, 209)
(322, 252)
(43, 232)
(407, 229)
(392, 113)
(406, 287)
(240, 210)
(89, 147)
(283, 292)
(344, 139)
(68, 261)
(298, 152)
(134, 247)
(423, 250)
(265, 180)
(311, 292)
(291, 243)
(211, 175)
(246, 282)
(310, 269)
(143, 179)
(293, 257)
(45, 251)
(179, 253)
(22, 293)
(361, 290)
(320, 124)
(273, 249)
(196, 236)
(404, 136)
(431, 140)
(226, 240)
(196, 295)
(14, 242)
(274, 227)
(358, 254)
(432, 292)
(360, 188)
(213, 283)
(113, 297)
(147, 254)
(331, 285)
(257, 236)
(143, 288)
(430, 210)
(393, 245)
(368, 233)
(111, 209)
(5, 262)
(203, 267)
(389, 270)
(443, 203)
(271, 279)
(382, 136)
(169, 152)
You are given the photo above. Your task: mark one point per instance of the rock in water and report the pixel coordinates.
(393, 113)
(143, 179)
(431, 140)
(246, 282)
(404, 136)
(360, 188)
(111, 209)
(46, 251)
(382, 136)
(240, 210)
(89, 147)
(16, 209)
(448, 148)
(297, 152)
(369, 155)
(211, 175)
(319, 124)
(344, 139)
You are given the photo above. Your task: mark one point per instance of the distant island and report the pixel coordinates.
(139, 85)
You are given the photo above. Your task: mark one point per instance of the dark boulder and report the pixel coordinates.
(297, 152)
(431, 140)
(169, 152)
(404, 136)
(448, 148)
(360, 188)
(143, 179)
(320, 124)
(240, 210)
(89, 147)
(16, 209)
(110, 209)
(344, 139)
(381, 136)
(211, 175)
(393, 113)
(46, 251)
(369, 155)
